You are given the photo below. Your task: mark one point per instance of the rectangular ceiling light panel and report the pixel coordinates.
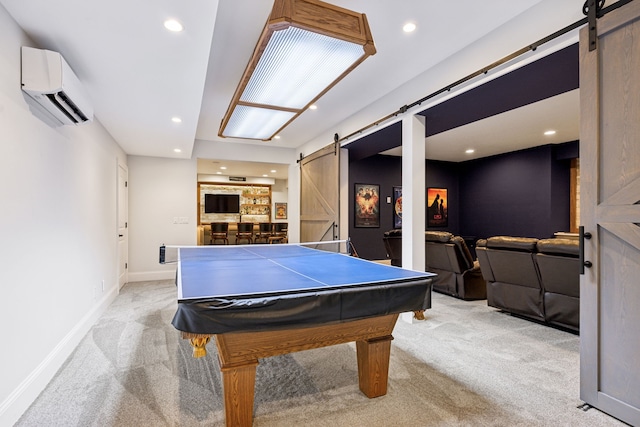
(296, 66)
(306, 47)
(260, 123)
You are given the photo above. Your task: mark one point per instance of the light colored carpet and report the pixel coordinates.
(466, 365)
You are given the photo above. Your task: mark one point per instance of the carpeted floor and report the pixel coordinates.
(466, 365)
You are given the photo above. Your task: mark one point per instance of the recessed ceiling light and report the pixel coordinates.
(313, 107)
(173, 25)
(470, 151)
(265, 175)
(219, 173)
(176, 119)
(409, 27)
(223, 168)
(273, 171)
(177, 150)
(550, 132)
(276, 137)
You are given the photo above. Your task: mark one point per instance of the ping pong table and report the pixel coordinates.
(264, 300)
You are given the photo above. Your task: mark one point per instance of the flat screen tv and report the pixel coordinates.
(221, 203)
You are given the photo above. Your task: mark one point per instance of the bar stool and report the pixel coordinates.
(264, 232)
(245, 232)
(279, 234)
(219, 231)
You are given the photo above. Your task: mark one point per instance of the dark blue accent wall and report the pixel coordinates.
(524, 193)
(386, 171)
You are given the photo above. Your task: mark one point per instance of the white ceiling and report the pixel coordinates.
(139, 75)
(242, 169)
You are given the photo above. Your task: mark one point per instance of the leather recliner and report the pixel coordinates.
(513, 282)
(458, 273)
(449, 257)
(559, 266)
(393, 245)
(534, 278)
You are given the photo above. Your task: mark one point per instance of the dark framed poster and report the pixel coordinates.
(437, 207)
(367, 205)
(397, 207)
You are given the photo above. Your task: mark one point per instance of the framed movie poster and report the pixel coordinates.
(367, 207)
(397, 207)
(437, 207)
(281, 210)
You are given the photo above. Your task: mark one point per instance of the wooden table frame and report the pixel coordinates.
(239, 352)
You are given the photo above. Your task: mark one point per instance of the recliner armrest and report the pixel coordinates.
(454, 261)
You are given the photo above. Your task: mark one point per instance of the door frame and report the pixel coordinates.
(122, 234)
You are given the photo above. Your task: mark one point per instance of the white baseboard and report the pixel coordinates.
(146, 276)
(12, 408)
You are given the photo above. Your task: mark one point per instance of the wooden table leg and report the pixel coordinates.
(239, 387)
(373, 365)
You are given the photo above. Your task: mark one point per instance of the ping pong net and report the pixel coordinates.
(169, 254)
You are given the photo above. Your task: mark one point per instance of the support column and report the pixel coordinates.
(413, 192)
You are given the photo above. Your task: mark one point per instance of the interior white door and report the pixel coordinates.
(610, 213)
(123, 225)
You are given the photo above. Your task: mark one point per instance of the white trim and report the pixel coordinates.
(146, 276)
(19, 400)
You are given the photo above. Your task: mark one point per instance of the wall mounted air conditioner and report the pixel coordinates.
(54, 93)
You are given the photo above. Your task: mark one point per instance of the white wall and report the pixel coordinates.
(280, 194)
(159, 190)
(59, 234)
(162, 189)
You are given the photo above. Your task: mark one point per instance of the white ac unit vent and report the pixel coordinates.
(54, 92)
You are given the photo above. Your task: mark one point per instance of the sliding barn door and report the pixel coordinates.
(610, 212)
(320, 195)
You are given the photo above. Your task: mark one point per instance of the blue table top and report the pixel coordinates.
(255, 270)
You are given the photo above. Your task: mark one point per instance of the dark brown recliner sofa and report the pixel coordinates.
(449, 257)
(458, 274)
(393, 245)
(559, 266)
(534, 278)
